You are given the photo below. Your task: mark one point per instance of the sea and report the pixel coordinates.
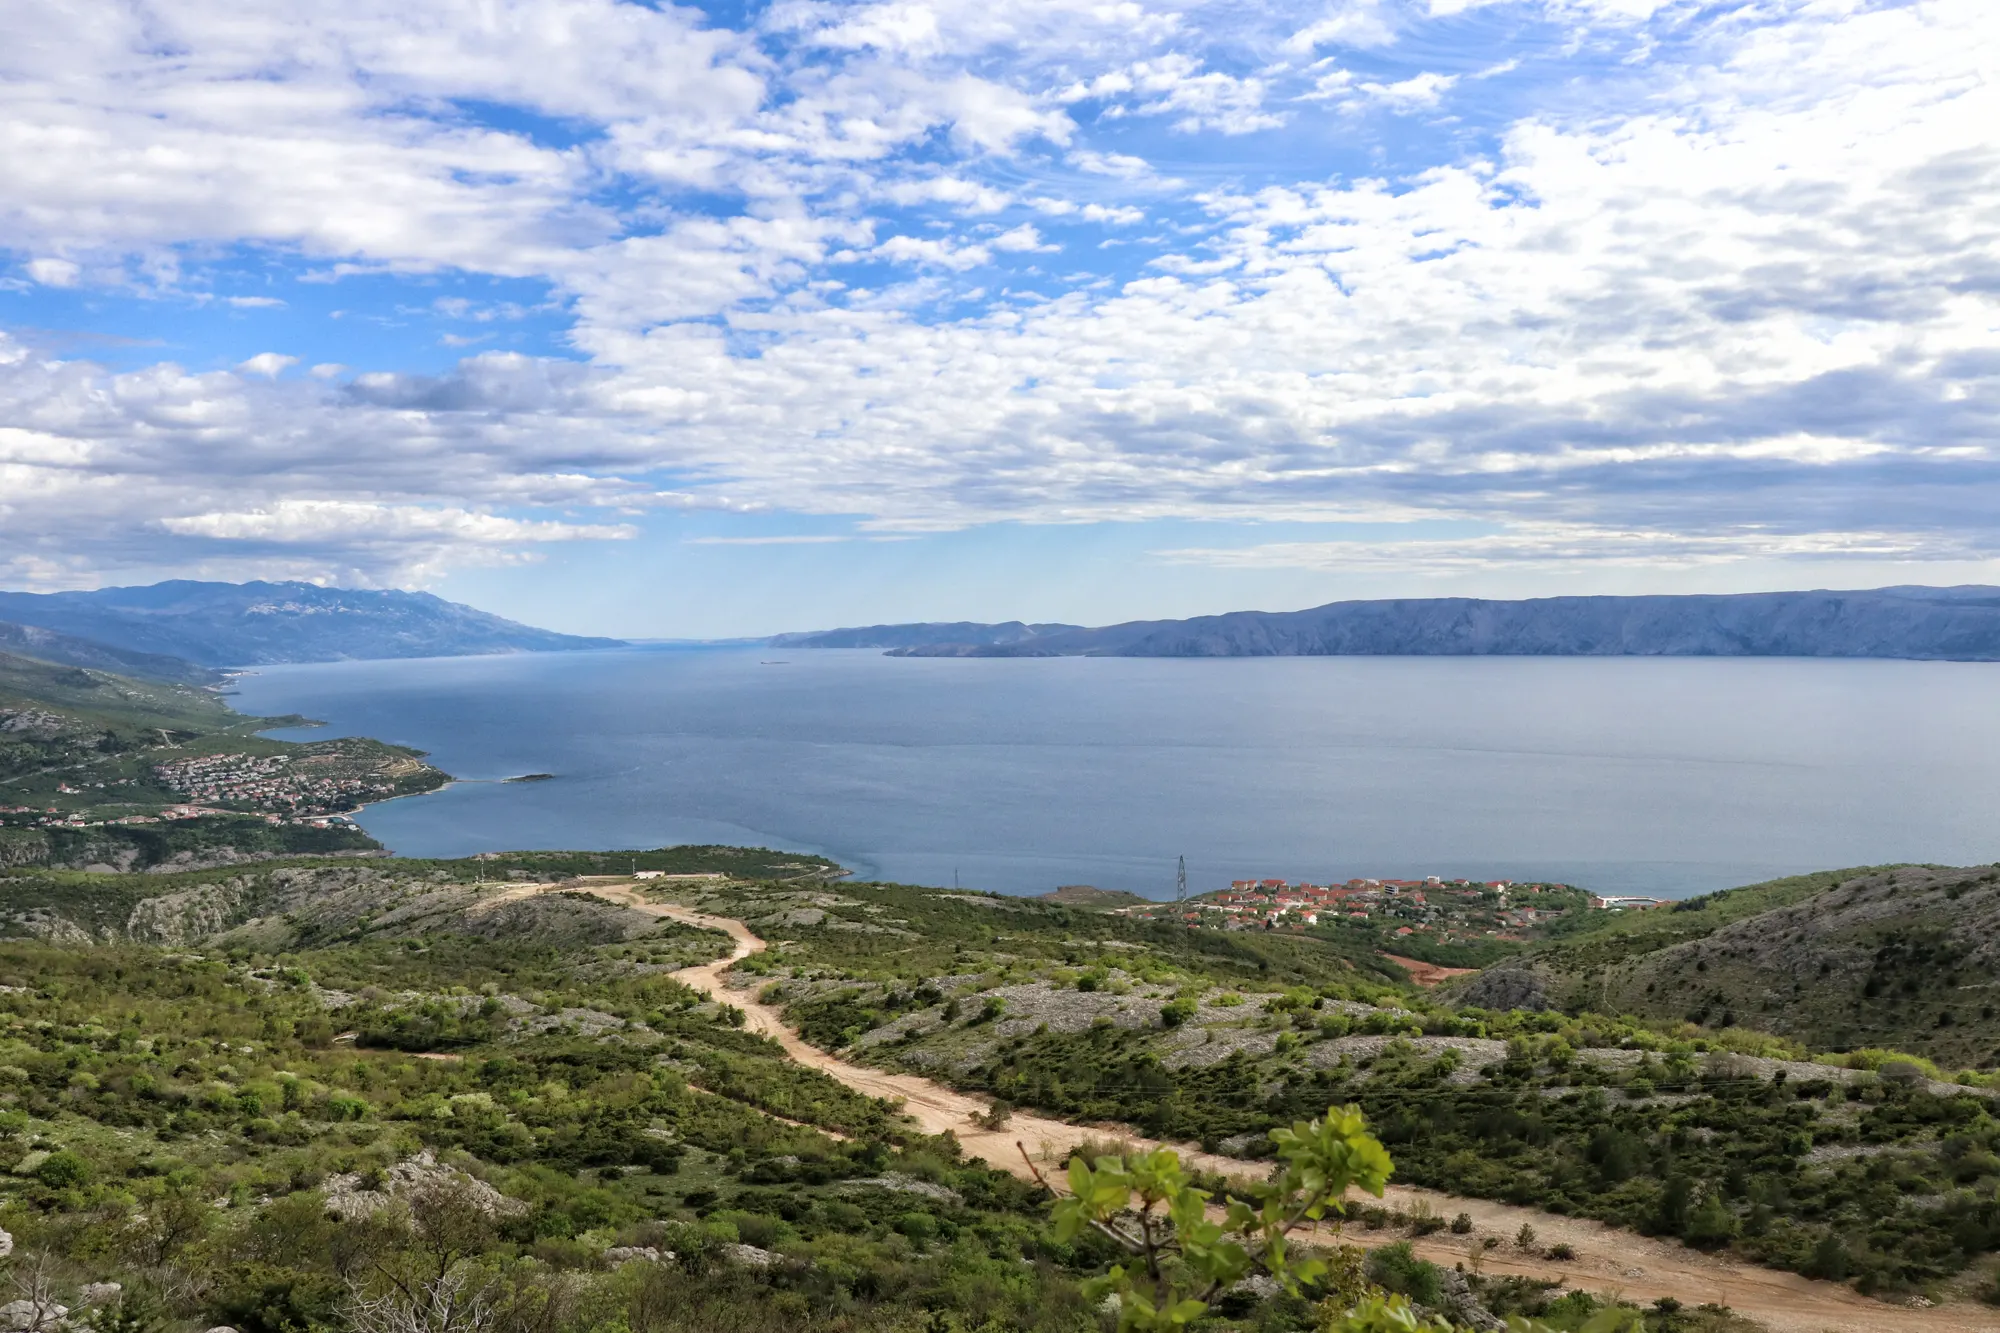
(1659, 776)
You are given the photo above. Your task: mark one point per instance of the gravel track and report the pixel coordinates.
(1607, 1259)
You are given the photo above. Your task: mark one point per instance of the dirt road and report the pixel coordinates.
(1607, 1259)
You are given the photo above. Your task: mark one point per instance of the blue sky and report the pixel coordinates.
(676, 321)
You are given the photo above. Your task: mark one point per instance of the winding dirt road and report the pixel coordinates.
(1607, 1259)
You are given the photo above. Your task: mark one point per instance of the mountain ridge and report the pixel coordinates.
(58, 649)
(261, 623)
(1906, 621)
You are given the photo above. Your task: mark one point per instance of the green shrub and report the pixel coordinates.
(62, 1170)
(1396, 1268)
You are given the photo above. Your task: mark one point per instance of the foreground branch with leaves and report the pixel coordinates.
(1190, 1250)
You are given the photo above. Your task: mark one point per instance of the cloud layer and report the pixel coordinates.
(1648, 281)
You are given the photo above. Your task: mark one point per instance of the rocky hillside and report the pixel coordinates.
(302, 906)
(1906, 958)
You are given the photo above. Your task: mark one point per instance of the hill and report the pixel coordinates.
(250, 624)
(1723, 1138)
(1899, 957)
(1956, 624)
(334, 1035)
(68, 650)
(107, 771)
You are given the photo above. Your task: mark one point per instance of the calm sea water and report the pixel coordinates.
(1670, 776)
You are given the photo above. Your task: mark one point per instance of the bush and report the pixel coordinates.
(1711, 1224)
(1462, 1225)
(1396, 1268)
(62, 1170)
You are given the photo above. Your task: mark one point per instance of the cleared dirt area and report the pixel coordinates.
(1427, 974)
(1607, 1259)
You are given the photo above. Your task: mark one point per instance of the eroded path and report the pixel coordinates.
(1607, 1259)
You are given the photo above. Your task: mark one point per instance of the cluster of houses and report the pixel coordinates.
(1495, 907)
(265, 781)
(1276, 903)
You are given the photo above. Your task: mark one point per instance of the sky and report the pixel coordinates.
(683, 321)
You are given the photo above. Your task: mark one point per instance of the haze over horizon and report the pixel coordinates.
(699, 321)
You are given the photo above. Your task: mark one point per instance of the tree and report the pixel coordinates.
(1188, 1251)
(1143, 1203)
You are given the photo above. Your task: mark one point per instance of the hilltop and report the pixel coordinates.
(250, 624)
(1900, 957)
(1958, 624)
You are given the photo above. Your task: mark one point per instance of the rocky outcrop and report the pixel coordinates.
(1505, 988)
(189, 915)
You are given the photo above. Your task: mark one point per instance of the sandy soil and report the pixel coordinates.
(1607, 1259)
(1427, 974)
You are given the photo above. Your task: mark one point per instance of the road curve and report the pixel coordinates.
(1607, 1259)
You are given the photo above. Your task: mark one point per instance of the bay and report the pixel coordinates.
(1668, 776)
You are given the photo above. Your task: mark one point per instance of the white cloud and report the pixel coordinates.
(942, 253)
(968, 196)
(54, 272)
(1115, 215)
(1177, 85)
(1743, 300)
(317, 521)
(1022, 240)
(1123, 165)
(1356, 23)
(1419, 90)
(254, 302)
(267, 364)
(1569, 546)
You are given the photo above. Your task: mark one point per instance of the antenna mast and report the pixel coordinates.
(1180, 882)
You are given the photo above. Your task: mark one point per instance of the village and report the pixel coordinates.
(311, 788)
(1433, 909)
(315, 784)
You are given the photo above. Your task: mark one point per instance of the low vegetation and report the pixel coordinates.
(1861, 1167)
(419, 1122)
(250, 1094)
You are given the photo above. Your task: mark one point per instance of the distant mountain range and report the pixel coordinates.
(172, 631)
(1955, 624)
